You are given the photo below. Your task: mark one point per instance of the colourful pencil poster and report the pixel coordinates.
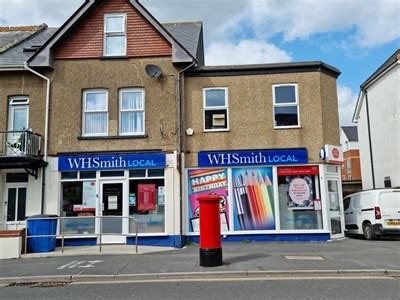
(205, 182)
(254, 199)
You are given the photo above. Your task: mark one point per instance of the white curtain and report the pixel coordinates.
(132, 112)
(96, 113)
(115, 45)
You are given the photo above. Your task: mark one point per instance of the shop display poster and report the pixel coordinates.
(253, 199)
(300, 193)
(203, 182)
(89, 196)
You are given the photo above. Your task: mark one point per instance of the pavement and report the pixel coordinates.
(348, 257)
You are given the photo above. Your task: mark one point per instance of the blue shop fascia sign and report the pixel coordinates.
(252, 157)
(111, 161)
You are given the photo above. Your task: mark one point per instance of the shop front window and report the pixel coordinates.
(78, 200)
(147, 201)
(299, 198)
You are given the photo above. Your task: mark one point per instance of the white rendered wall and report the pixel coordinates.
(52, 205)
(346, 144)
(384, 111)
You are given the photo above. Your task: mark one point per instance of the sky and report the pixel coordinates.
(354, 36)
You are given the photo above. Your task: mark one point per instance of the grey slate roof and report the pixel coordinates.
(15, 54)
(189, 34)
(351, 133)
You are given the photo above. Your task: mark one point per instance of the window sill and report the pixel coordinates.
(287, 127)
(105, 57)
(114, 137)
(215, 130)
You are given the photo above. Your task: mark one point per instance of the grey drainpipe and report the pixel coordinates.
(46, 129)
(370, 140)
(180, 97)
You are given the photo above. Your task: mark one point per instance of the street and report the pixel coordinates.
(269, 288)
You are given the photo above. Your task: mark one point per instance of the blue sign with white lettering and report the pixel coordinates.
(111, 161)
(252, 157)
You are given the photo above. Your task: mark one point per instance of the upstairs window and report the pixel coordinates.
(215, 102)
(286, 106)
(18, 113)
(114, 34)
(131, 112)
(95, 113)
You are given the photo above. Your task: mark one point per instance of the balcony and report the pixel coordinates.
(21, 149)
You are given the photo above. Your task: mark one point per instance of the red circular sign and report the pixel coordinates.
(335, 153)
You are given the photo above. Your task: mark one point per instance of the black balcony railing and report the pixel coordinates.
(20, 144)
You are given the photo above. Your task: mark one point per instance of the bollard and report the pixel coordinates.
(210, 231)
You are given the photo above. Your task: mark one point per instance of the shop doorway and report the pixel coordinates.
(335, 213)
(15, 206)
(112, 208)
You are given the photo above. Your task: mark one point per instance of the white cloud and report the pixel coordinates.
(370, 23)
(35, 12)
(244, 52)
(347, 102)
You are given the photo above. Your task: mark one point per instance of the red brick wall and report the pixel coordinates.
(86, 41)
(354, 156)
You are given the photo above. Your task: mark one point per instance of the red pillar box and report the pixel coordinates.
(210, 231)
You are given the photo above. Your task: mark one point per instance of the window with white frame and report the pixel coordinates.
(18, 113)
(95, 113)
(286, 105)
(215, 104)
(131, 112)
(114, 34)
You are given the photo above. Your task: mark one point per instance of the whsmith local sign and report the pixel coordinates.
(252, 157)
(111, 161)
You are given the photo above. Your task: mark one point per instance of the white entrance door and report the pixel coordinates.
(335, 205)
(15, 206)
(112, 209)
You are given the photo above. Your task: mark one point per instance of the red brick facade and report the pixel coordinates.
(143, 40)
(351, 169)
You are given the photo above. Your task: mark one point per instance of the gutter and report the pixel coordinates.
(12, 68)
(46, 125)
(46, 128)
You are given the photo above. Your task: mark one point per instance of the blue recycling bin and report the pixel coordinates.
(41, 225)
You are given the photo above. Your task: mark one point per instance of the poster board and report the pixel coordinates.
(146, 200)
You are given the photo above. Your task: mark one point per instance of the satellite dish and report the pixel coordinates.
(153, 71)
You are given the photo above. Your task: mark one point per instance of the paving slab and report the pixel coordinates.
(348, 257)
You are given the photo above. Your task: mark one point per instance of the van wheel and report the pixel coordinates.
(369, 232)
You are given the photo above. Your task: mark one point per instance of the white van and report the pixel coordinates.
(373, 213)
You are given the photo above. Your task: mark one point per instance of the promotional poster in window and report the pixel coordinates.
(208, 182)
(300, 192)
(254, 200)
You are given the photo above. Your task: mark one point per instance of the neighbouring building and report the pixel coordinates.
(351, 171)
(377, 115)
(136, 127)
(22, 124)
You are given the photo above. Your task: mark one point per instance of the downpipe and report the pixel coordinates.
(46, 129)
